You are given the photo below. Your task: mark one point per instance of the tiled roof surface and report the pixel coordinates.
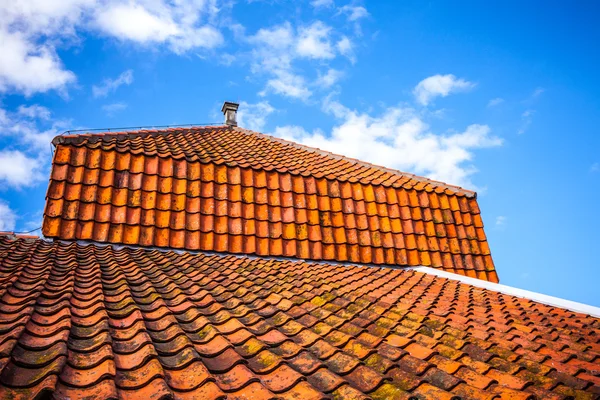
(90, 321)
(232, 190)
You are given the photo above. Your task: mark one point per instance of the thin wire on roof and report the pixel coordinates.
(125, 128)
(23, 233)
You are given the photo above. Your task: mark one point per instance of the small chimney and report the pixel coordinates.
(230, 111)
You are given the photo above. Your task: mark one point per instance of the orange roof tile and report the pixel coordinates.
(232, 190)
(97, 321)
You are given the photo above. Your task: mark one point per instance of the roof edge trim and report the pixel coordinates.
(539, 297)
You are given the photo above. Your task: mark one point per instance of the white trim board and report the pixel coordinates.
(540, 298)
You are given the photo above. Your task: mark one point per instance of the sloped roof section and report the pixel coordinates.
(232, 190)
(90, 321)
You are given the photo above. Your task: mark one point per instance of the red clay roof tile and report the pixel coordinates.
(89, 320)
(232, 190)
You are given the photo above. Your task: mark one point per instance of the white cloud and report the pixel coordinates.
(272, 54)
(205, 37)
(354, 13)
(22, 125)
(322, 3)
(287, 84)
(27, 131)
(330, 78)
(500, 221)
(111, 85)
(18, 170)
(254, 116)
(28, 30)
(277, 51)
(277, 37)
(400, 139)
(113, 108)
(34, 111)
(595, 167)
(32, 30)
(134, 22)
(495, 101)
(176, 23)
(8, 218)
(226, 59)
(439, 85)
(313, 41)
(346, 48)
(28, 67)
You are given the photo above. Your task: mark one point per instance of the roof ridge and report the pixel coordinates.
(364, 163)
(62, 138)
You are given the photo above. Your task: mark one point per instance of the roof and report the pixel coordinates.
(232, 190)
(92, 321)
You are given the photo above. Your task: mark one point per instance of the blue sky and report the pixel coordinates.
(502, 99)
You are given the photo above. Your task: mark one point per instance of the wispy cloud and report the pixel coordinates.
(500, 221)
(537, 92)
(31, 126)
(526, 120)
(254, 116)
(112, 109)
(595, 167)
(30, 130)
(353, 13)
(495, 102)
(346, 48)
(287, 84)
(534, 96)
(439, 86)
(527, 115)
(111, 85)
(322, 3)
(8, 218)
(277, 51)
(330, 78)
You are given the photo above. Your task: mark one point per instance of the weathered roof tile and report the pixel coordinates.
(88, 320)
(232, 190)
